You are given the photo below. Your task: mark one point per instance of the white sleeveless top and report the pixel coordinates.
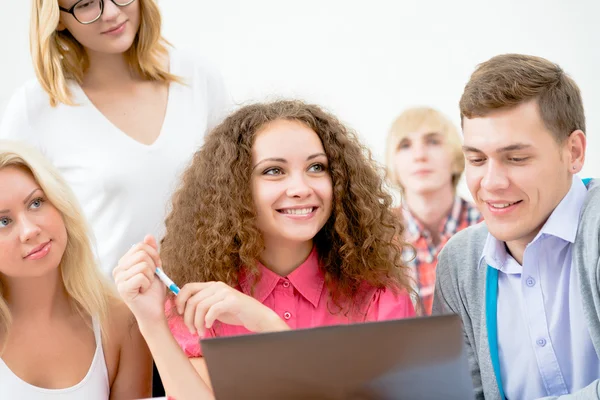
(94, 385)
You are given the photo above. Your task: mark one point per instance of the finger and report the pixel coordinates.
(189, 290)
(215, 311)
(193, 307)
(132, 249)
(151, 251)
(130, 288)
(151, 241)
(203, 308)
(138, 257)
(140, 268)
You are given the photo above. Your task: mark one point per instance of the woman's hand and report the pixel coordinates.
(138, 285)
(204, 303)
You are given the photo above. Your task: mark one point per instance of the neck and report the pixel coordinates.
(108, 71)
(284, 257)
(41, 298)
(517, 247)
(431, 208)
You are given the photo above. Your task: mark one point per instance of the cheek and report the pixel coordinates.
(10, 256)
(401, 164)
(472, 177)
(81, 33)
(53, 223)
(324, 189)
(265, 194)
(442, 158)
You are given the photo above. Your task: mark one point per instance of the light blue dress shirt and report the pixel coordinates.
(543, 341)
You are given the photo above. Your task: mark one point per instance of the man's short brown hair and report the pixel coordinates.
(509, 80)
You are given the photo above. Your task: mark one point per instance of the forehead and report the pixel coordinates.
(504, 127)
(19, 180)
(287, 139)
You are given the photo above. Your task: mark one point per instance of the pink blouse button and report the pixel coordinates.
(287, 315)
(286, 284)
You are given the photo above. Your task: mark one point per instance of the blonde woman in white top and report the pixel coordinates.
(63, 334)
(116, 109)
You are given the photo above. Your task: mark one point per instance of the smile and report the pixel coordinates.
(297, 211)
(502, 205)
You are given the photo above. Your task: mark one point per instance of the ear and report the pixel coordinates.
(575, 149)
(60, 27)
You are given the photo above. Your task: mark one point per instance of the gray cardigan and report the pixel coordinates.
(460, 289)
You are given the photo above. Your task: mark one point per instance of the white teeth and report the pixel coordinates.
(501, 205)
(298, 211)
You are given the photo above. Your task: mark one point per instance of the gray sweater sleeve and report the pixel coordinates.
(446, 301)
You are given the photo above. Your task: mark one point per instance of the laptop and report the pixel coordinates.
(416, 359)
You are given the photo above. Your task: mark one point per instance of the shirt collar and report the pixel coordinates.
(415, 229)
(564, 220)
(496, 256)
(308, 279)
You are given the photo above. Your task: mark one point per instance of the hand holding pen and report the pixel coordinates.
(139, 280)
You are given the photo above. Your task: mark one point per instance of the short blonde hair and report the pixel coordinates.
(86, 286)
(58, 57)
(416, 118)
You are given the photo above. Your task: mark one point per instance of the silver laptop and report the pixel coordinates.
(420, 358)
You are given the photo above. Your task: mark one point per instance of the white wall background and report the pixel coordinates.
(363, 60)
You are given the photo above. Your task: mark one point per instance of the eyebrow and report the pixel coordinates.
(284, 161)
(24, 201)
(505, 149)
(426, 135)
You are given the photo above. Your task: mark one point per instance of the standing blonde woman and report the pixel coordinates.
(63, 334)
(116, 109)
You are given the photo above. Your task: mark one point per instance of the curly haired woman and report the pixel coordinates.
(283, 222)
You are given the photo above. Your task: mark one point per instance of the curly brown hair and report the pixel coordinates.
(211, 231)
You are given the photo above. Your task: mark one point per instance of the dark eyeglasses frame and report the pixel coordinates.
(71, 10)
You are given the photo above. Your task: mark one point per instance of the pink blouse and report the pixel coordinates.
(301, 299)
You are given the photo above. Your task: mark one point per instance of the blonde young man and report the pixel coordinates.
(425, 160)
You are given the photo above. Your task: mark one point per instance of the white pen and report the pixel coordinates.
(167, 281)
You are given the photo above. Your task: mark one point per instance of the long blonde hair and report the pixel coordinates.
(86, 286)
(58, 57)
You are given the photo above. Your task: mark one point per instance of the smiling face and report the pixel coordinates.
(516, 171)
(113, 33)
(33, 236)
(291, 184)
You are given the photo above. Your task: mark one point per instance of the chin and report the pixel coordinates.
(504, 235)
(298, 237)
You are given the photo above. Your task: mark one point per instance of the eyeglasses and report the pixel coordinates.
(88, 11)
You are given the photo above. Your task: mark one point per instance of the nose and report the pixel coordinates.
(419, 151)
(29, 229)
(111, 11)
(298, 186)
(494, 177)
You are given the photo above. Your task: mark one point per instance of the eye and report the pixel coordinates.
(273, 171)
(476, 161)
(434, 141)
(518, 159)
(84, 4)
(403, 145)
(37, 203)
(317, 168)
(4, 221)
